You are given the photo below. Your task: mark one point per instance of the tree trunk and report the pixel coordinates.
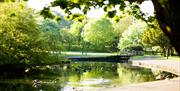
(152, 51)
(170, 51)
(168, 15)
(163, 51)
(167, 53)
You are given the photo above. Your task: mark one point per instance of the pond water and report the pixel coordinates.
(80, 75)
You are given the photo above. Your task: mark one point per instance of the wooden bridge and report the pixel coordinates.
(115, 58)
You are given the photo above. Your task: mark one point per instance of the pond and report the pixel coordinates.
(84, 76)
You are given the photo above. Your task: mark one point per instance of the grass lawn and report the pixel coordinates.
(87, 54)
(94, 54)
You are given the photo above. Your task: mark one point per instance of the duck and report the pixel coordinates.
(36, 83)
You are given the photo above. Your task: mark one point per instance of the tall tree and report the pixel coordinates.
(123, 24)
(76, 29)
(119, 28)
(22, 39)
(100, 33)
(153, 36)
(168, 15)
(132, 36)
(51, 29)
(66, 38)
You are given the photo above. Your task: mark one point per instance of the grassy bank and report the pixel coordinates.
(87, 54)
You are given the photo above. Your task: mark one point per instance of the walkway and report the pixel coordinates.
(165, 85)
(171, 65)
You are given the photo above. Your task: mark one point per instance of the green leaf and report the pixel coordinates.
(111, 14)
(46, 13)
(58, 18)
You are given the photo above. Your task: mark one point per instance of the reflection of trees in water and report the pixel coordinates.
(15, 87)
(127, 73)
(130, 74)
(92, 70)
(26, 85)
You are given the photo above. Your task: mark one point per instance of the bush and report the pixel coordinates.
(133, 50)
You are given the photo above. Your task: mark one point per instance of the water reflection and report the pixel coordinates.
(129, 74)
(80, 75)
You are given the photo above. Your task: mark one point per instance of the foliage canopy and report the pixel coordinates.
(22, 38)
(99, 32)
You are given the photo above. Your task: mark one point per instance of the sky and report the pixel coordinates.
(146, 7)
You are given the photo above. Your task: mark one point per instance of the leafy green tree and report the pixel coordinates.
(51, 30)
(119, 28)
(22, 40)
(123, 24)
(155, 37)
(66, 38)
(132, 36)
(15, 32)
(76, 29)
(99, 33)
(50, 25)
